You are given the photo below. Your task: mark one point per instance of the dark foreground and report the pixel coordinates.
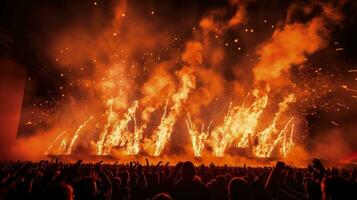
(95, 181)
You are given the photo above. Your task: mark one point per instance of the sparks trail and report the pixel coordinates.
(238, 128)
(118, 136)
(103, 135)
(271, 137)
(348, 89)
(163, 133)
(198, 138)
(76, 135)
(54, 142)
(239, 124)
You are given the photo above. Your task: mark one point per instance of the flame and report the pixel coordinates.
(163, 132)
(198, 138)
(287, 146)
(111, 117)
(239, 124)
(117, 137)
(237, 129)
(270, 137)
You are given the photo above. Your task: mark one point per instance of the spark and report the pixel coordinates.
(349, 89)
(334, 123)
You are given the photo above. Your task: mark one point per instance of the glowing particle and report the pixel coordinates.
(236, 40)
(251, 30)
(152, 12)
(123, 14)
(115, 34)
(95, 3)
(334, 123)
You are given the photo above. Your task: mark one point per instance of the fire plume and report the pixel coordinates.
(141, 91)
(198, 138)
(163, 132)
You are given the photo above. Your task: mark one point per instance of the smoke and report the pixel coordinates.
(292, 43)
(331, 145)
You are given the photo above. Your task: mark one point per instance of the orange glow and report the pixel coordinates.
(139, 95)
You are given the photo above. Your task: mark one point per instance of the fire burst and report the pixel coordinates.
(191, 79)
(163, 133)
(198, 138)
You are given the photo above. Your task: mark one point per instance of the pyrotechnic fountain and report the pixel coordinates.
(137, 106)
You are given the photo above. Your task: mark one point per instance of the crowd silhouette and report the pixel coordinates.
(56, 180)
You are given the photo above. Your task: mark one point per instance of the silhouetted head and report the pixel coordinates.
(188, 170)
(238, 189)
(60, 191)
(116, 183)
(336, 188)
(162, 196)
(221, 180)
(87, 188)
(153, 178)
(124, 176)
(312, 190)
